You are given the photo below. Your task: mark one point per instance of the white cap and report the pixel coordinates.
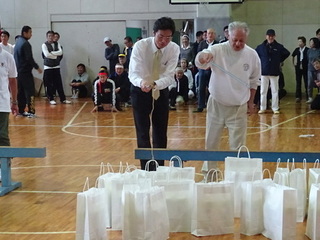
(106, 39)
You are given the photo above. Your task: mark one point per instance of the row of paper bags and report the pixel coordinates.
(203, 209)
(266, 208)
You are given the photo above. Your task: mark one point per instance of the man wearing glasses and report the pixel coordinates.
(149, 90)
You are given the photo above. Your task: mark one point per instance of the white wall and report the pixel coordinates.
(83, 24)
(290, 19)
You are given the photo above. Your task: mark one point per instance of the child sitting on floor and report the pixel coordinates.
(104, 97)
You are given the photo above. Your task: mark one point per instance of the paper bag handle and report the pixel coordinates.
(254, 173)
(243, 146)
(316, 164)
(101, 169)
(293, 165)
(130, 167)
(304, 164)
(274, 177)
(120, 167)
(86, 185)
(110, 168)
(177, 158)
(148, 163)
(266, 170)
(279, 160)
(215, 171)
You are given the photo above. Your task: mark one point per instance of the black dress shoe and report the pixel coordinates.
(198, 110)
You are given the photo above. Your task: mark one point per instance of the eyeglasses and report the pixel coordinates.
(161, 37)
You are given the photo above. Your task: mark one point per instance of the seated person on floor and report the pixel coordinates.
(79, 82)
(178, 91)
(122, 59)
(102, 68)
(104, 97)
(122, 83)
(188, 73)
(315, 105)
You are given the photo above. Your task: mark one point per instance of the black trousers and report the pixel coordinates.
(301, 73)
(143, 105)
(26, 92)
(53, 82)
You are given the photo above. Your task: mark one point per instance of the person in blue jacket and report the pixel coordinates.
(271, 54)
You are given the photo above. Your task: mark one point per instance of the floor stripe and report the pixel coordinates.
(51, 192)
(36, 233)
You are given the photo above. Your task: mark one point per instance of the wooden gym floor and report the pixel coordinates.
(77, 141)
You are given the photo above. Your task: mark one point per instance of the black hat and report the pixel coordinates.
(271, 32)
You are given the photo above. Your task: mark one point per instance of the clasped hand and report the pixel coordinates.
(146, 86)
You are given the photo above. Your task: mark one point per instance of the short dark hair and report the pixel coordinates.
(5, 32)
(199, 33)
(316, 42)
(184, 59)
(82, 65)
(56, 33)
(50, 32)
(128, 38)
(164, 23)
(318, 31)
(303, 39)
(225, 27)
(25, 29)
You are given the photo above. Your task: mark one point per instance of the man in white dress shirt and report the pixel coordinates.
(144, 86)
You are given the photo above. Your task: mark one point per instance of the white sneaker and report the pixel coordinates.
(262, 111)
(53, 102)
(309, 100)
(31, 115)
(66, 102)
(75, 95)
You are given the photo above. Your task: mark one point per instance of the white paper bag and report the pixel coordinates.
(281, 175)
(314, 175)
(90, 216)
(212, 212)
(298, 181)
(145, 214)
(179, 172)
(113, 183)
(251, 211)
(240, 170)
(280, 212)
(313, 221)
(179, 198)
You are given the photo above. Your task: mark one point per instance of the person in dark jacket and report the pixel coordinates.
(111, 53)
(25, 63)
(51, 54)
(271, 54)
(300, 63)
(122, 85)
